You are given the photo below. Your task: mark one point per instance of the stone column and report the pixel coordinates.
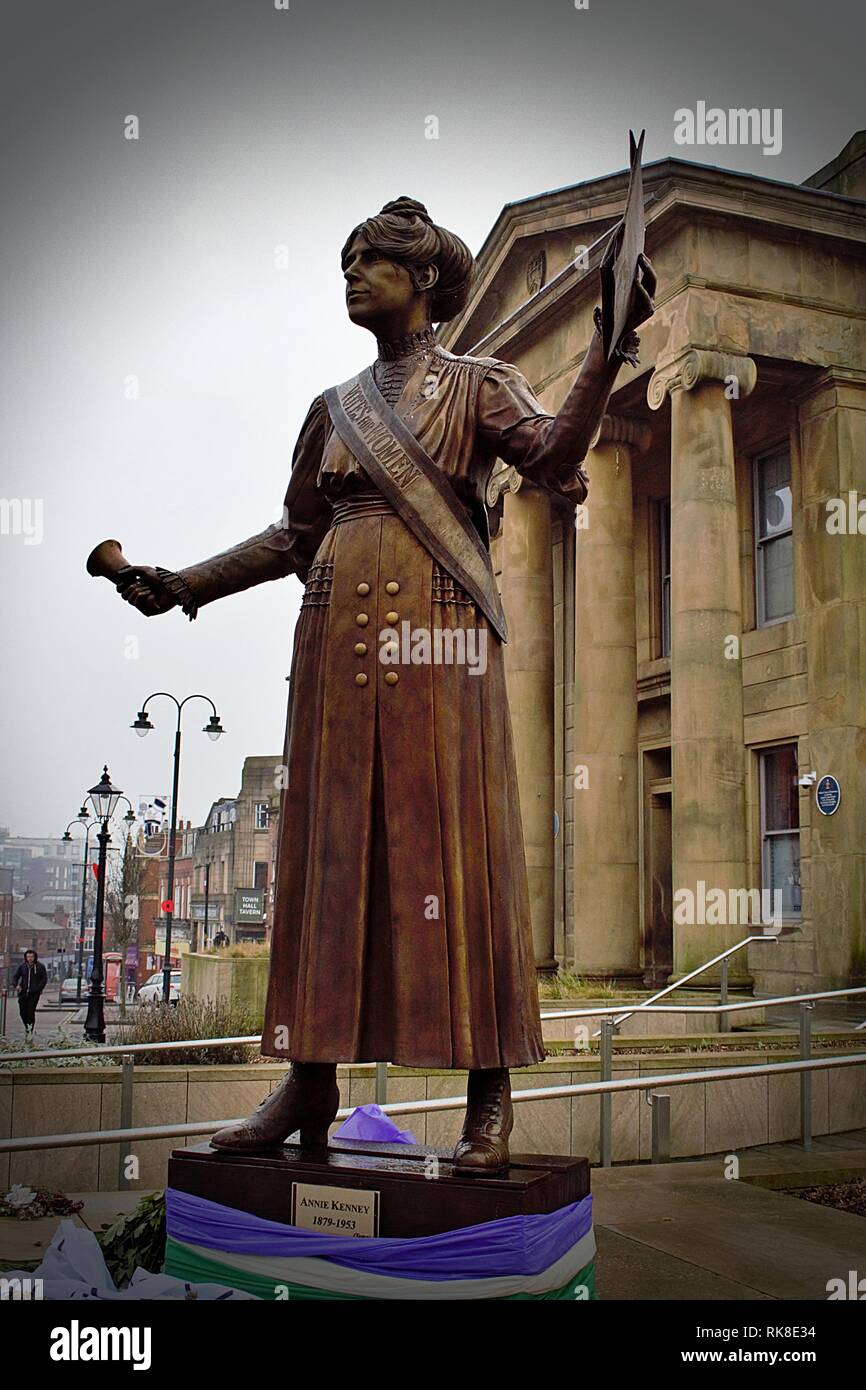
(606, 809)
(707, 752)
(527, 595)
(832, 600)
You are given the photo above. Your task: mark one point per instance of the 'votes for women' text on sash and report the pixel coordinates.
(418, 491)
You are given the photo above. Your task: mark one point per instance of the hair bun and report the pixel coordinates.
(407, 207)
(405, 232)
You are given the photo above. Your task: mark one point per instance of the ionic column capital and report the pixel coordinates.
(695, 365)
(503, 478)
(623, 429)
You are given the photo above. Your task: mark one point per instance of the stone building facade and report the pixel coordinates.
(150, 930)
(686, 663)
(235, 848)
(41, 862)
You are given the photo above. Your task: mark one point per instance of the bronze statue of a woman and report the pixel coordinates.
(401, 919)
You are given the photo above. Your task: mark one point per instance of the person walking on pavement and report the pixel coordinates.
(30, 979)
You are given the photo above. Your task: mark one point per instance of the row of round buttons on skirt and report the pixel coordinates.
(362, 619)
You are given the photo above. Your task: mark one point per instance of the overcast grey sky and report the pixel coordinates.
(155, 258)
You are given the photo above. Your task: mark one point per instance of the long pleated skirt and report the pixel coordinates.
(401, 921)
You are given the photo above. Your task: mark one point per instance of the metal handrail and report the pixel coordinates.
(737, 1008)
(123, 1048)
(693, 974)
(106, 1050)
(410, 1107)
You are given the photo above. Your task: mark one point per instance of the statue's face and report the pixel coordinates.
(377, 290)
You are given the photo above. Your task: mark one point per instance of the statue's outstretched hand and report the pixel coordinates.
(141, 586)
(642, 305)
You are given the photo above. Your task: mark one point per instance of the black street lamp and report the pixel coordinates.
(83, 818)
(103, 798)
(143, 726)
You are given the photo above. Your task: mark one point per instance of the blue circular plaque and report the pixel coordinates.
(828, 795)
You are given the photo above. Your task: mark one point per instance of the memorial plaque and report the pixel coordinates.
(828, 795)
(337, 1211)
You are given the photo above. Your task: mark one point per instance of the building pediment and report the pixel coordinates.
(542, 247)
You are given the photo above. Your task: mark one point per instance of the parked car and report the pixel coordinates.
(152, 989)
(69, 990)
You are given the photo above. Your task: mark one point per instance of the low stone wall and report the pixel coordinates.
(242, 980)
(705, 1117)
(702, 1023)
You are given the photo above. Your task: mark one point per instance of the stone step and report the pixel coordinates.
(750, 1041)
(704, 1020)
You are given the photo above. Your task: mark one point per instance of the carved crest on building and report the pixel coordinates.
(536, 271)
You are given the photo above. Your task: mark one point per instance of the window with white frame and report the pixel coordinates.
(262, 813)
(774, 540)
(780, 826)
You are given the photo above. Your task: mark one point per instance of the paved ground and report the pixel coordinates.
(27, 1240)
(672, 1231)
(684, 1230)
(50, 1016)
(847, 1013)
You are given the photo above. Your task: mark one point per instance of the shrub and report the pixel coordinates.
(135, 1241)
(192, 1018)
(58, 1042)
(566, 985)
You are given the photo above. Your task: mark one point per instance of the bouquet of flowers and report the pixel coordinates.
(27, 1204)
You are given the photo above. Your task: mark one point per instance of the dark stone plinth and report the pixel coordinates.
(410, 1202)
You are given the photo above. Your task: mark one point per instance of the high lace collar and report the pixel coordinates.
(407, 346)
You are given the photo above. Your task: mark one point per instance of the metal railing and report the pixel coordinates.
(605, 1088)
(127, 1053)
(661, 1082)
(722, 958)
(610, 1023)
(119, 1049)
(742, 1006)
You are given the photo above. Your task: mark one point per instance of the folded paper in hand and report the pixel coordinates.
(620, 265)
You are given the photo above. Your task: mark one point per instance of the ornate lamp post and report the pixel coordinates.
(104, 798)
(143, 726)
(83, 818)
